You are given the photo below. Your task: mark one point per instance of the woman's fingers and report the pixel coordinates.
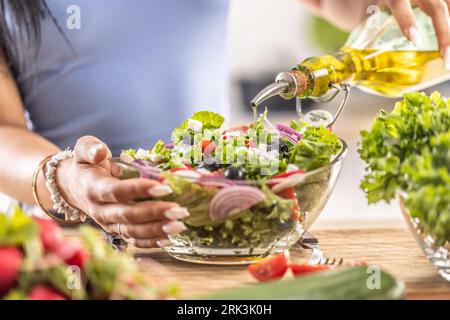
(152, 230)
(149, 243)
(438, 10)
(89, 149)
(403, 13)
(111, 190)
(141, 212)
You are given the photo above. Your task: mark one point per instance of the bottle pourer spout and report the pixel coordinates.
(285, 85)
(273, 89)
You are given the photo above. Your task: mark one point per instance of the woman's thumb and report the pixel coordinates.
(89, 149)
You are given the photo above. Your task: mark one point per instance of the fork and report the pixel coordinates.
(310, 242)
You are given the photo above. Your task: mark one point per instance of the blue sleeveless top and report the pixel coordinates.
(129, 74)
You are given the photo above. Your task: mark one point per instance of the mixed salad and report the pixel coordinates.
(239, 183)
(409, 150)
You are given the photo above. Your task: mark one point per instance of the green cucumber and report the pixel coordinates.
(343, 283)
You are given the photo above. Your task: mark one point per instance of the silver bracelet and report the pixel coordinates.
(59, 204)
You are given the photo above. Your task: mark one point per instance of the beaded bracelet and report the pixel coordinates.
(59, 204)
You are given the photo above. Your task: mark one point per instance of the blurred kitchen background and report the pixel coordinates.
(269, 36)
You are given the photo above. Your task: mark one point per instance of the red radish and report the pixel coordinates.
(281, 179)
(42, 292)
(271, 268)
(187, 165)
(242, 129)
(10, 261)
(232, 200)
(288, 174)
(50, 233)
(72, 253)
(286, 180)
(234, 132)
(78, 259)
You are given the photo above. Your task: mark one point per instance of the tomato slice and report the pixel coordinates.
(302, 269)
(289, 193)
(295, 211)
(271, 268)
(205, 144)
(360, 263)
(288, 174)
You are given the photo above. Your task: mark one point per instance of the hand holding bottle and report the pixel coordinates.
(439, 12)
(348, 14)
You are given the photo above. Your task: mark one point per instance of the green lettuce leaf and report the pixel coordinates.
(191, 196)
(160, 149)
(210, 120)
(315, 149)
(299, 124)
(17, 229)
(130, 152)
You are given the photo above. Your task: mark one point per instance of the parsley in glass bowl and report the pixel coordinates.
(407, 153)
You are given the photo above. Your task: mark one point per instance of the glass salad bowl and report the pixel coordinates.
(438, 254)
(241, 221)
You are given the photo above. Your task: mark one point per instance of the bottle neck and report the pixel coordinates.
(323, 71)
(312, 78)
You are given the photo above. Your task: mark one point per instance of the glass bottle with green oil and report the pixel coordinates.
(377, 58)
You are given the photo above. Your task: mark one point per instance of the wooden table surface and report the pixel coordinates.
(393, 249)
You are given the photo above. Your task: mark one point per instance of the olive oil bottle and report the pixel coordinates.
(377, 58)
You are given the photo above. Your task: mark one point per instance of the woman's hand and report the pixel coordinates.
(90, 181)
(346, 14)
(439, 12)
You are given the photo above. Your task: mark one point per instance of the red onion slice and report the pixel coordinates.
(288, 130)
(147, 169)
(232, 200)
(215, 181)
(288, 137)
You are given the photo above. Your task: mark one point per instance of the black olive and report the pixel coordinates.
(284, 147)
(210, 165)
(235, 173)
